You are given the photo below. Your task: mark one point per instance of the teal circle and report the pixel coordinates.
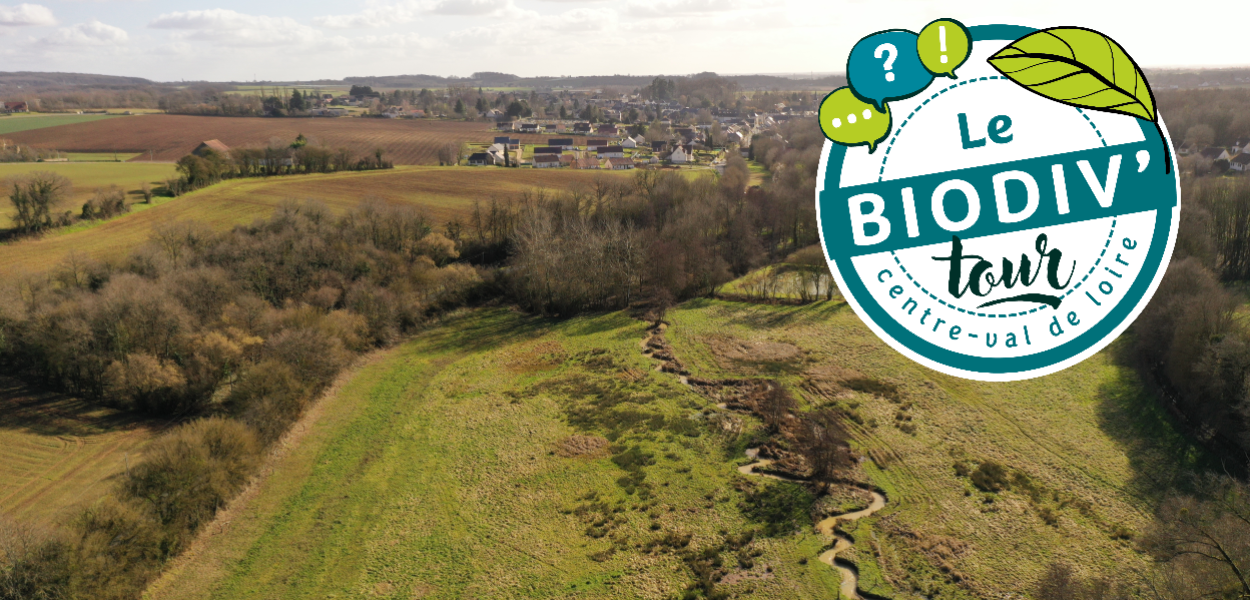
(873, 311)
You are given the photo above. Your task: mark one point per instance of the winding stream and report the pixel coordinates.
(827, 527)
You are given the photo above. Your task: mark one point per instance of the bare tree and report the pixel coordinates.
(36, 197)
(1206, 541)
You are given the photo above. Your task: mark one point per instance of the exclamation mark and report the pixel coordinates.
(942, 41)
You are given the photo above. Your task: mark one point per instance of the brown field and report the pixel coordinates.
(58, 453)
(170, 137)
(441, 192)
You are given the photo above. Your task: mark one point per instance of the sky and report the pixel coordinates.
(234, 40)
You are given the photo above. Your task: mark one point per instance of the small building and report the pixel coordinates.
(659, 146)
(529, 127)
(16, 107)
(611, 152)
(607, 130)
(629, 143)
(596, 144)
(551, 128)
(620, 164)
(586, 163)
(581, 128)
(505, 126)
(679, 156)
(503, 139)
(1240, 163)
(567, 160)
(481, 159)
(214, 145)
(548, 150)
(566, 143)
(547, 161)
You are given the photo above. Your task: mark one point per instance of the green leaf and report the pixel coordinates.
(1079, 67)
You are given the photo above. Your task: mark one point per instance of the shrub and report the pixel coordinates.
(314, 357)
(268, 398)
(782, 507)
(189, 473)
(118, 550)
(107, 203)
(34, 563)
(990, 477)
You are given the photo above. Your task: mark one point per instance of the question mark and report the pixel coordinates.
(890, 53)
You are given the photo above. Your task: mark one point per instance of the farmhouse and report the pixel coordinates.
(1240, 163)
(214, 145)
(620, 164)
(481, 159)
(547, 161)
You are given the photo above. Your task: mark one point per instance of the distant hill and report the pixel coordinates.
(492, 79)
(25, 79)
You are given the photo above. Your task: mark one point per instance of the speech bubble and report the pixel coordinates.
(848, 120)
(885, 66)
(943, 46)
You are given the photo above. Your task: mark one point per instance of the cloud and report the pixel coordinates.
(230, 27)
(672, 8)
(374, 17)
(91, 33)
(468, 7)
(26, 15)
(396, 41)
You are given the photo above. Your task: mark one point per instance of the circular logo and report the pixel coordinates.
(997, 234)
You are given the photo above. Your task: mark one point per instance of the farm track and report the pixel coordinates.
(166, 138)
(828, 527)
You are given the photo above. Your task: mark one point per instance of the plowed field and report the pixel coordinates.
(170, 137)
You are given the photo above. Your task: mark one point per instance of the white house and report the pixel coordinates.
(629, 143)
(547, 161)
(620, 164)
(1240, 163)
(679, 157)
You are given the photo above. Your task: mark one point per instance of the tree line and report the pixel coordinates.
(298, 158)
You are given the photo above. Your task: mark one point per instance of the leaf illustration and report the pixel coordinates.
(1079, 67)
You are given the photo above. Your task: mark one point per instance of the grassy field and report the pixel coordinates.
(442, 192)
(101, 156)
(437, 472)
(87, 177)
(31, 121)
(1090, 439)
(170, 137)
(58, 453)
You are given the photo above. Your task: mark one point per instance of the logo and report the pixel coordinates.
(996, 202)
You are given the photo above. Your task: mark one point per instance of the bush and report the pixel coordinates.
(268, 398)
(106, 204)
(34, 563)
(781, 506)
(189, 473)
(118, 550)
(313, 356)
(990, 477)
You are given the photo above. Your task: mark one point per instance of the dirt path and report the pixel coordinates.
(654, 346)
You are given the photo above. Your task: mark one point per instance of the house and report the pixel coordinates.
(557, 150)
(1240, 163)
(566, 143)
(529, 127)
(607, 130)
(16, 107)
(1241, 146)
(480, 159)
(595, 144)
(734, 138)
(214, 145)
(550, 128)
(586, 163)
(679, 156)
(629, 143)
(566, 160)
(581, 128)
(611, 152)
(547, 161)
(620, 164)
(505, 126)
(503, 139)
(659, 146)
